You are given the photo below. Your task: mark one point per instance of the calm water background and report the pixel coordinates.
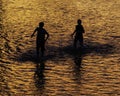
(64, 71)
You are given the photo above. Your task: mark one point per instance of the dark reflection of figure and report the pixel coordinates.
(41, 38)
(39, 75)
(78, 60)
(77, 67)
(79, 30)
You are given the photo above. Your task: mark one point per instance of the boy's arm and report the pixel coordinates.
(73, 32)
(33, 32)
(83, 29)
(47, 36)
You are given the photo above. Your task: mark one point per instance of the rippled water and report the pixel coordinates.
(64, 71)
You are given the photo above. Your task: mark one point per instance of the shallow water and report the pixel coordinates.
(64, 71)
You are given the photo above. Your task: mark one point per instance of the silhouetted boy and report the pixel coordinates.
(79, 30)
(42, 36)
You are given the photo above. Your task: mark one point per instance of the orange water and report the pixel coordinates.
(63, 71)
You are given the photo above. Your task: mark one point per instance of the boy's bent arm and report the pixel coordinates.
(47, 35)
(83, 30)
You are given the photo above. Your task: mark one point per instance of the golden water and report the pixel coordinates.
(63, 71)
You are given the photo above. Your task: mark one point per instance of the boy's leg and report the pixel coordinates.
(75, 42)
(42, 48)
(81, 41)
(37, 49)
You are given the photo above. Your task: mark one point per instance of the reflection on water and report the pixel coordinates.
(39, 76)
(77, 67)
(64, 71)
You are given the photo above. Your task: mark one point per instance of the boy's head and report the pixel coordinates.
(79, 21)
(41, 24)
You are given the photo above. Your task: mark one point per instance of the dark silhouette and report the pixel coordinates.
(41, 38)
(79, 30)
